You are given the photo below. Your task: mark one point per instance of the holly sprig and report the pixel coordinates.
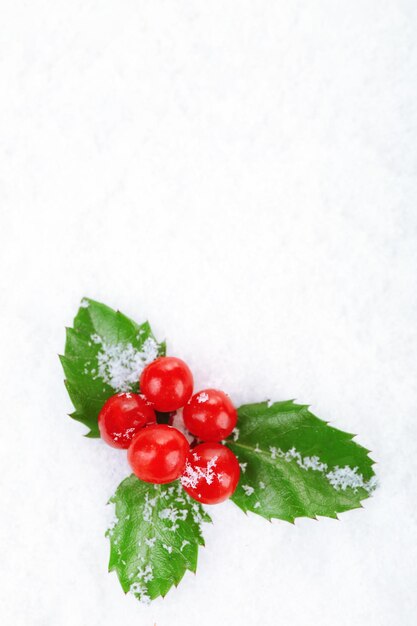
(293, 464)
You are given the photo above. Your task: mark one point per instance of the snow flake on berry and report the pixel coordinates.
(193, 475)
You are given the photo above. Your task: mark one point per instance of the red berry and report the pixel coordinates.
(211, 473)
(158, 454)
(210, 415)
(121, 418)
(167, 382)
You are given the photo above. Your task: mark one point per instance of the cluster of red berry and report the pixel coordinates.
(159, 453)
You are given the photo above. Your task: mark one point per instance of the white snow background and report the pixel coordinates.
(242, 174)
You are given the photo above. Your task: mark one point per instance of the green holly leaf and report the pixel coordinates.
(295, 465)
(105, 353)
(155, 537)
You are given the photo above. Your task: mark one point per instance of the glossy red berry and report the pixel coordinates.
(210, 415)
(158, 454)
(167, 383)
(121, 418)
(211, 473)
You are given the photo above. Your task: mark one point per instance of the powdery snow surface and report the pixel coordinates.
(241, 174)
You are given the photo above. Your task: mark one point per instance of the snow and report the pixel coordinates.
(241, 174)
(173, 514)
(150, 541)
(202, 397)
(343, 477)
(338, 477)
(148, 508)
(178, 422)
(194, 474)
(120, 365)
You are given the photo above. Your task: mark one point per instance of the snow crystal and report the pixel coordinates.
(120, 365)
(148, 506)
(84, 303)
(261, 485)
(126, 435)
(138, 588)
(257, 505)
(193, 475)
(145, 574)
(167, 548)
(173, 515)
(184, 543)
(235, 434)
(248, 490)
(340, 477)
(150, 542)
(343, 477)
(202, 397)
(257, 448)
(197, 517)
(308, 462)
(243, 467)
(140, 592)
